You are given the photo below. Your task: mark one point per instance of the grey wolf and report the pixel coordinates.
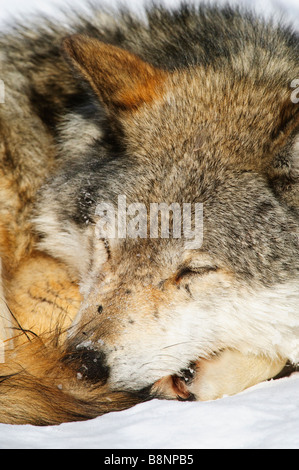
(186, 106)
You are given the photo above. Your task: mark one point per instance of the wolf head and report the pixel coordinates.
(219, 137)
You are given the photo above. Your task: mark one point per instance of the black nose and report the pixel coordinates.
(90, 364)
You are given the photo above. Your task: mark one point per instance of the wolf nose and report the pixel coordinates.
(90, 364)
(94, 366)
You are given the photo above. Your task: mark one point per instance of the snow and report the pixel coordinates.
(263, 417)
(9, 8)
(266, 416)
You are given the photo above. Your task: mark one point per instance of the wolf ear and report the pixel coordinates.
(121, 79)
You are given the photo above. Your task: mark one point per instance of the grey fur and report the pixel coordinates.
(217, 140)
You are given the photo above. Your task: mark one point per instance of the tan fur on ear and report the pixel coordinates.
(121, 79)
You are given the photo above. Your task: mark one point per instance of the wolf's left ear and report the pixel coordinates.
(121, 79)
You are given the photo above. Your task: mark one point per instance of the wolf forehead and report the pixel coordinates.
(245, 229)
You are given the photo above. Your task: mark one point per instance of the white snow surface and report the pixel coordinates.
(263, 417)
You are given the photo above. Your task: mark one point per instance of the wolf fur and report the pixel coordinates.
(188, 106)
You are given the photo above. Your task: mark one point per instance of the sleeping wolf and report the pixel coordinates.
(193, 107)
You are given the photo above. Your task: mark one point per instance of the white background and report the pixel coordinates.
(8, 8)
(266, 416)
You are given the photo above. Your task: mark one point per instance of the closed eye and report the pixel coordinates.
(188, 271)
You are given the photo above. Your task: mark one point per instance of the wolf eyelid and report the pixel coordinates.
(200, 271)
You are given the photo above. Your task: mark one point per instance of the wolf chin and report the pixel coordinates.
(185, 106)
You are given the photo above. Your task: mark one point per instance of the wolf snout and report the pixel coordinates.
(89, 363)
